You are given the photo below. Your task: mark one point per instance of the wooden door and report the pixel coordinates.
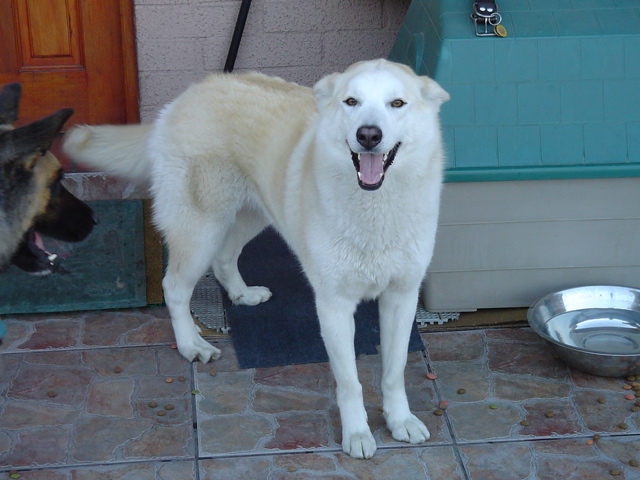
(71, 53)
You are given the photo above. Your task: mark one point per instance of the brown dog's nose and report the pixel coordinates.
(369, 136)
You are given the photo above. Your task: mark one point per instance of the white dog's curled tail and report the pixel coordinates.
(119, 150)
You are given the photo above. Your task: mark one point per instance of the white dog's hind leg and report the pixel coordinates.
(338, 329)
(397, 314)
(189, 258)
(225, 264)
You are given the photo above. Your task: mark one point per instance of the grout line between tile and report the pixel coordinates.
(325, 450)
(83, 348)
(266, 453)
(47, 468)
(546, 438)
(194, 418)
(454, 442)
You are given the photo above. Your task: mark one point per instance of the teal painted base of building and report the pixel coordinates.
(506, 244)
(557, 98)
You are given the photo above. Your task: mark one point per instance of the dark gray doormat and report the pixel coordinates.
(285, 330)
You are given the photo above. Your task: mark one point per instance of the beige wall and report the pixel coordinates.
(180, 41)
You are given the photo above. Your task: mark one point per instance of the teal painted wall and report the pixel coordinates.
(557, 98)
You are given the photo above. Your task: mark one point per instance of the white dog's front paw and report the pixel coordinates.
(198, 347)
(359, 445)
(251, 296)
(410, 430)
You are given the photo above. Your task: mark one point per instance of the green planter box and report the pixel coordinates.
(543, 142)
(557, 98)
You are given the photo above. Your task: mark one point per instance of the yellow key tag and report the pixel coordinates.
(500, 31)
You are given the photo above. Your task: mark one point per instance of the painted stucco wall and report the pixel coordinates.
(180, 41)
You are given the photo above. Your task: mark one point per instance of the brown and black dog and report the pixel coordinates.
(33, 200)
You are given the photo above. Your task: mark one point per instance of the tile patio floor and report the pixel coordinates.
(79, 394)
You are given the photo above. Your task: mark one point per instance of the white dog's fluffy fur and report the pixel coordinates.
(235, 153)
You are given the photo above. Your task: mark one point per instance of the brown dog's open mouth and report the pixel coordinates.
(371, 167)
(32, 256)
(37, 240)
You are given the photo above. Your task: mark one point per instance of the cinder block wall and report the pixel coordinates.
(180, 41)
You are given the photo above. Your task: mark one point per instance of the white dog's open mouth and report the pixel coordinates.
(371, 167)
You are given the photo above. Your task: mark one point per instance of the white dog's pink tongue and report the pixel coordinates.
(371, 168)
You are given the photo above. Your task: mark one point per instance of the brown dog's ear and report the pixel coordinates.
(9, 103)
(34, 138)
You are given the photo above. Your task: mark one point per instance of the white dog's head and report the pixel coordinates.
(373, 111)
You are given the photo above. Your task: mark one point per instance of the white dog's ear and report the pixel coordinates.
(323, 90)
(433, 92)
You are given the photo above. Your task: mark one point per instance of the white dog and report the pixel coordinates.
(350, 175)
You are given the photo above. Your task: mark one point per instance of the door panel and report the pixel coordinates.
(71, 53)
(49, 34)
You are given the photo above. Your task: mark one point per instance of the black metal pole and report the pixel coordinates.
(237, 36)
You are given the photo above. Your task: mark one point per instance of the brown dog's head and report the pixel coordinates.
(33, 200)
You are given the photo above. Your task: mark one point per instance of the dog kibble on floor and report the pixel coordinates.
(572, 451)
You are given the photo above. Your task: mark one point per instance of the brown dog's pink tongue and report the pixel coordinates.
(37, 239)
(371, 168)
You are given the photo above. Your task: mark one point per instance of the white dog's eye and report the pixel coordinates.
(352, 102)
(397, 103)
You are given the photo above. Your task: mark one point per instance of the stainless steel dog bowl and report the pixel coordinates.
(594, 329)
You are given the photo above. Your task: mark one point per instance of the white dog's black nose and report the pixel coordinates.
(369, 136)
